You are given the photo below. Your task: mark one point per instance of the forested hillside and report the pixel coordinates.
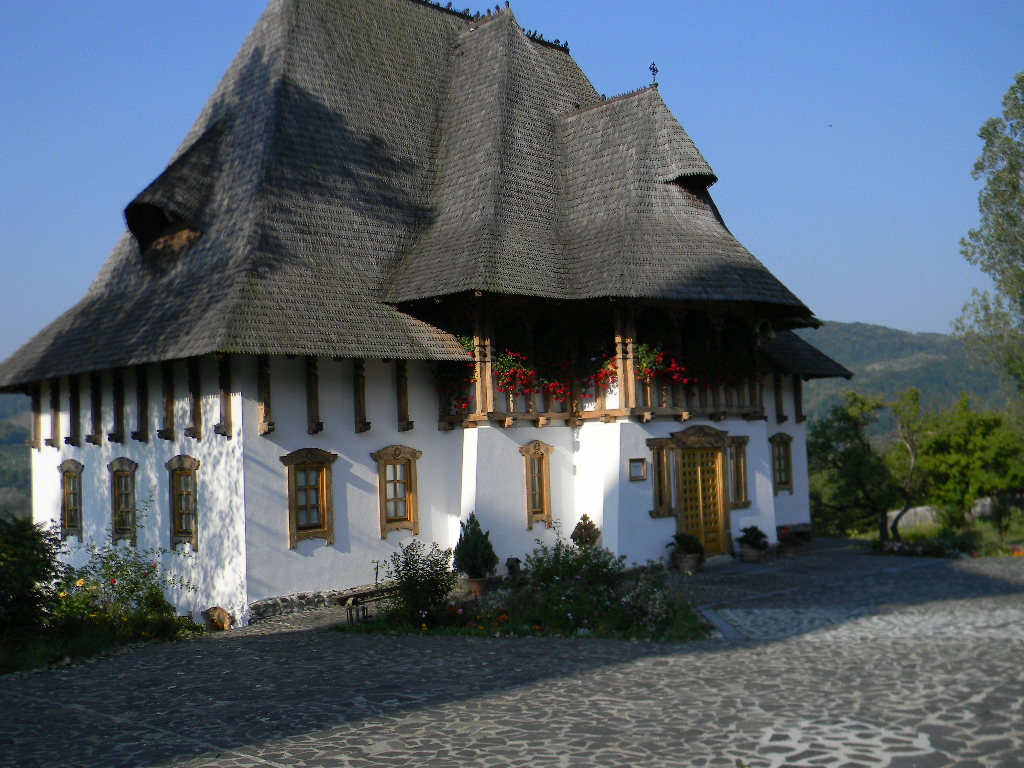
(886, 361)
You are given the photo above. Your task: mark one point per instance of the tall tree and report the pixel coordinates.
(851, 485)
(903, 455)
(992, 323)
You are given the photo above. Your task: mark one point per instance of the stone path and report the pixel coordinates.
(836, 658)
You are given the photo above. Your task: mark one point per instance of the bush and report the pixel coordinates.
(474, 554)
(29, 569)
(422, 580)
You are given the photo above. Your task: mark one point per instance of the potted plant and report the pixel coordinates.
(474, 554)
(687, 552)
(753, 542)
(788, 542)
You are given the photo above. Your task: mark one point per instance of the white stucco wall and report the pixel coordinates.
(790, 506)
(217, 569)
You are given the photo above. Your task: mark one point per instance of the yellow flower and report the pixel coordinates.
(423, 627)
(62, 594)
(80, 582)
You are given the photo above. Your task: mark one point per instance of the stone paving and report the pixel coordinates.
(835, 658)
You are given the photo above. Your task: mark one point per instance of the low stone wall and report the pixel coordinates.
(268, 608)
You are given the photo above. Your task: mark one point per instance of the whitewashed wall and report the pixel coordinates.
(790, 507)
(217, 569)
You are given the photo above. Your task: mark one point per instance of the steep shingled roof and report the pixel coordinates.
(361, 154)
(788, 353)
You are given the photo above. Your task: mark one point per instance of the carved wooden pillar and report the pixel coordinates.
(54, 439)
(359, 394)
(264, 414)
(224, 426)
(141, 431)
(313, 423)
(195, 403)
(402, 391)
(116, 435)
(166, 431)
(74, 436)
(95, 436)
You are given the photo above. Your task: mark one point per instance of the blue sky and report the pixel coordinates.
(843, 134)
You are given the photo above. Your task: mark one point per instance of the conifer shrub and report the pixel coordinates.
(474, 554)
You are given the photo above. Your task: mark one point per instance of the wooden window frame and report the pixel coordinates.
(122, 468)
(310, 458)
(537, 454)
(394, 455)
(54, 439)
(739, 493)
(95, 436)
(70, 472)
(782, 462)
(184, 466)
(74, 436)
(141, 431)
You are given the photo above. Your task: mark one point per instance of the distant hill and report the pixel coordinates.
(886, 361)
(15, 463)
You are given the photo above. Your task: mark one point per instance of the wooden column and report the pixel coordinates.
(166, 432)
(74, 436)
(313, 423)
(224, 426)
(95, 436)
(116, 435)
(195, 402)
(359, 394)
(141, 431)
(402, 388)
(54, 439)
(264, 414)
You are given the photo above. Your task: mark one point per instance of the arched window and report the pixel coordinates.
(538, 482)
(310, 495)
(122, 497)
(184, 501)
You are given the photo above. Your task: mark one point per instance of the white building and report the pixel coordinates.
(408, 264)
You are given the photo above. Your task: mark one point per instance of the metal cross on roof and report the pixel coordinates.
(654, 73)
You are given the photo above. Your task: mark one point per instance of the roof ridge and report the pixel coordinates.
(464, 14)
(605, 100)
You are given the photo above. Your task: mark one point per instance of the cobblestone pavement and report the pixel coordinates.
(836, 658)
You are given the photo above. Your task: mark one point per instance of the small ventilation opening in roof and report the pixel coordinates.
(159, 231)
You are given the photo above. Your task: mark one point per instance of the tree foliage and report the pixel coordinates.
(970, 455)
(851, 484)
(992, 324)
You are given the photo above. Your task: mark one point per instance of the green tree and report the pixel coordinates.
(970, 455)
(992, 324)
(852, 486)
(903, 455)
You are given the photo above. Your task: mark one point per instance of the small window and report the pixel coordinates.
(538, 483)
(310, 495)
(122, 496)
(782, 462)
(738, 494)
(184, 501)
(71, 498)
(396, 480)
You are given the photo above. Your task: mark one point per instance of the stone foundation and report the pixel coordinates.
(270, 607)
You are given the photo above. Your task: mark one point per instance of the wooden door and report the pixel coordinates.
(699, 491)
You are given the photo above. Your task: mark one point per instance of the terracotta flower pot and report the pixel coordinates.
(749, 554)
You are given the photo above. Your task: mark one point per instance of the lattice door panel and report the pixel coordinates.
(699, 494)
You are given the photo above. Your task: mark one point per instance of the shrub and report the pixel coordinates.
(29, 568)
(752, 536)
(422, 580)
(474, 554)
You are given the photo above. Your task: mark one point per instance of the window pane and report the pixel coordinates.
(300, 478)
(389, 491)
(389, 471)
(400, 470)
(301, 497)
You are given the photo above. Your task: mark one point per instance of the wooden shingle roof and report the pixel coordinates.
(361, 154)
